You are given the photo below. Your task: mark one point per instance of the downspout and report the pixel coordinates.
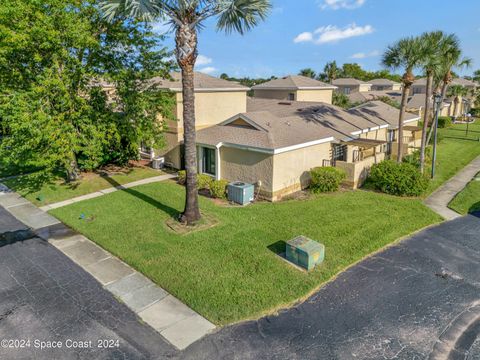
(218, 170)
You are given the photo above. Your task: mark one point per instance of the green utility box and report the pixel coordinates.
(305, 252)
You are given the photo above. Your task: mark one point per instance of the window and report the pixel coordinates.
(346, 90)
(291, 97)
(208, 161)
(339, 152)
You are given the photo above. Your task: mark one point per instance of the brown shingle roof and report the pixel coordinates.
(278, 124)
(383, 82)
(348, 81)
(378, 111)
(293, 82)
(203, 82)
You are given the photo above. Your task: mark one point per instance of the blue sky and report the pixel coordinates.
(308, 33)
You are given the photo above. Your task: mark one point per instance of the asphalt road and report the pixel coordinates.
(395, 305)
(47, 299)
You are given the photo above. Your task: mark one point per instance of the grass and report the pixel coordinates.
(468, 201)
(455, 151)
(42, 193)
(231, 272)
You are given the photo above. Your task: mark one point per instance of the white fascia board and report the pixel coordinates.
(411, 120)
(271, 151)
(304, 145)
(244, 118)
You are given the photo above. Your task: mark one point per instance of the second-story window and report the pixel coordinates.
(346, 90)
(291, 97)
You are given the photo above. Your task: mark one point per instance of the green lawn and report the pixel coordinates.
(455, 151)
(468, 200)
(57, 190)
(230, 272)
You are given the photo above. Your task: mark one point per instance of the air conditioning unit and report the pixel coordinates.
(241, 193)
(158, 163)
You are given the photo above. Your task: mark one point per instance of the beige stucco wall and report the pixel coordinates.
(380, 134)
(315, 95)
(357, 173)
(290, 169)
(364, 87)
(300, 95)
(247, 166)
(353, 88)
(212, 108)
(274, 94)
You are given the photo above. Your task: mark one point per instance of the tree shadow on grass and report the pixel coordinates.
(31, 183)
(460, 138)
(475, 209)
(175, 214)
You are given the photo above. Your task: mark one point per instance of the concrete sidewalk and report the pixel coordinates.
(108, 191)
(439, 200)
(175, 321)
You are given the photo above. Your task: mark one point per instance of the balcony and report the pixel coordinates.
(359, 157)
(412, 140)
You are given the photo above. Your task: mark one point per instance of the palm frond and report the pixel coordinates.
(241, 15)
(145, 10)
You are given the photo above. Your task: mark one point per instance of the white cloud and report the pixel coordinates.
(203, 60)
(341, 4)
(208, 70)
(362, 55)
(304, 37)
(331, 33)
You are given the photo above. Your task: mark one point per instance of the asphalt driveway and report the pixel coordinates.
(47, 299)
(415, 300)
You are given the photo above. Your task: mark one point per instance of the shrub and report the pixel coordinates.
(475, 112)
(326, 179)
(444, 122)
(182, 177)
(403, 179)
(218, 189)
(204, 181)
(440, 137)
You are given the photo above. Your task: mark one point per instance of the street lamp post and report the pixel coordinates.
(438, 103)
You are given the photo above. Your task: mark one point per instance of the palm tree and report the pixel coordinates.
(186, 18)
(331, 71)
(450, 58)
(456, 92)
(308, 72)
(407, 53)
(476, 75)
(438, 48)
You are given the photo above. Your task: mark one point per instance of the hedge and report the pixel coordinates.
(326, 179)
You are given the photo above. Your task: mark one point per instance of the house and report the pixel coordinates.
(350, 85)
(275, 143)
(295, 88)
(215, 100)
(384, 85)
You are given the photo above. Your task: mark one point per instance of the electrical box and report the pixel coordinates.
(305, 252)
(241, 193)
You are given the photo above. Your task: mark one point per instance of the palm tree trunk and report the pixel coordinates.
(455, 107)
(186, 48)
(403, 106)
(426, 117)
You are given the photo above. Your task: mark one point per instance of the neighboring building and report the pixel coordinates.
(384, 85)
(276, 143)
(295, 88)
(350, 85)
(215, 101)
